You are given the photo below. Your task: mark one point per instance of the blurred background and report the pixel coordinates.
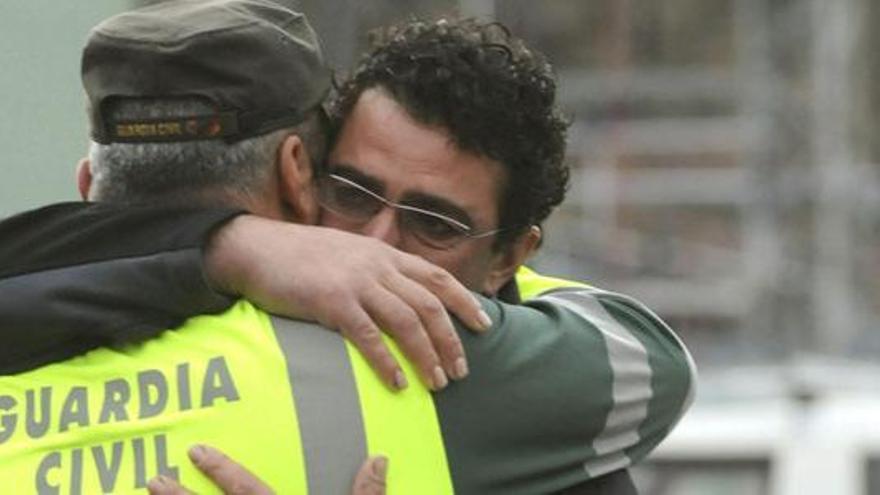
(725, 172)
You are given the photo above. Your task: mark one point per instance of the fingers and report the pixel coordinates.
(406, 308)
(356, 285)
(436, 323)
(358, 327)
(454, 296)
(231, 477)
(162, 485)
(370, 479)
(403, 324)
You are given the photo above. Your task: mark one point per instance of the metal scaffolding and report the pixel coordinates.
(730, 191)
(768, 293)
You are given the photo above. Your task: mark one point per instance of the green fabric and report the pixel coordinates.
(527, 413)
(541, 390)
(670, 381)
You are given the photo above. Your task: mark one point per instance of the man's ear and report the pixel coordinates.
(84, 178)
(507, 261)
(296, 181)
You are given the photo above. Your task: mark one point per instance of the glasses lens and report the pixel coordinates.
(347, 199)
(435, 231)
(353, 201)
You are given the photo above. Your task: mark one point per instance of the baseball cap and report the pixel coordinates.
(256, 63)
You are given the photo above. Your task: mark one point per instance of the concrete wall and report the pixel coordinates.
(42, 118)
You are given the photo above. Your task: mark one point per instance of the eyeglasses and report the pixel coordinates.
(355, 202)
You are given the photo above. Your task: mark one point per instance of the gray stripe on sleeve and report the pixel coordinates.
(327, 404)
(668, 332)
(631, 382)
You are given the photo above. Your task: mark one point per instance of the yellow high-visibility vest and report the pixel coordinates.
(532, 284)
(289, 400)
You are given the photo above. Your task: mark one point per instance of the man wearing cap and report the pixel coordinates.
(507, 445)
(218, 56)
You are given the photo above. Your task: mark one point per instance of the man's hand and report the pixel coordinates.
(370, 479)
(353, 284)
(234, 479)
(231, 477)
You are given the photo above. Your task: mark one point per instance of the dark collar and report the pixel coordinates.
(509, 292)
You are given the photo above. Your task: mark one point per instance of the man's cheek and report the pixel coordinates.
(329, 219)
(469, 266)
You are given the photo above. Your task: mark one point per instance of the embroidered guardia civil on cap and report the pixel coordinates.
(257, 63)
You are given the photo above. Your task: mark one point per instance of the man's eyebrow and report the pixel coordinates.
(355, 175)
(438, 205)
(418, 199)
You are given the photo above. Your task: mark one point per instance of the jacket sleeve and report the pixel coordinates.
(586, 382)
(75, 276)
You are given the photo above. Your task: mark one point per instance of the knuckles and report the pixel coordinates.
(432, 309)
(440, 278)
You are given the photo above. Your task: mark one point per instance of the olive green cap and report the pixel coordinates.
(257, 63)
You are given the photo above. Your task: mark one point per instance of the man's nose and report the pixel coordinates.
(384, 226)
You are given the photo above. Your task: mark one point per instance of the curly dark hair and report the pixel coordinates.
(496, 98)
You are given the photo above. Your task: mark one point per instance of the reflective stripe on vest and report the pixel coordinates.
(110, 420)
(346, 412)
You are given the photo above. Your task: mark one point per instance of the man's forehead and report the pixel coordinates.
(401, 156)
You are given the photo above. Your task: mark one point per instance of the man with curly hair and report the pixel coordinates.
(447, 143)
(469, 113)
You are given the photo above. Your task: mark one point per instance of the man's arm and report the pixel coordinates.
(582, 382)
(77, 276)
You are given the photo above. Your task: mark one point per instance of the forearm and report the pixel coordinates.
(104, 274)
(68, 234)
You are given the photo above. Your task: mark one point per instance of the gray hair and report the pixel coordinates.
(132, 172)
